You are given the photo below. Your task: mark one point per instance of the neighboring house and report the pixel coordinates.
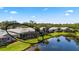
(44, 30)
(64, 28)
(67, 29)
(41, 28)
(5, 38)
(53, 29)
(60, 29)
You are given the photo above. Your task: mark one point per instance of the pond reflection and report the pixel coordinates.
(58, 44)
(68, 39)
(58, 40)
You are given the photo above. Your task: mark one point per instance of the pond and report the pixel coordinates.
(60, 43)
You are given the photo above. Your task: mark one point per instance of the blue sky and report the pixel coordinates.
(40, 14)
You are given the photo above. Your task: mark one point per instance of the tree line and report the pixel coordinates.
(35, 25)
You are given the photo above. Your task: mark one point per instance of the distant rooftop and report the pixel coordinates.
(21, 30)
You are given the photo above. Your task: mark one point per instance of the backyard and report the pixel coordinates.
(19, 46)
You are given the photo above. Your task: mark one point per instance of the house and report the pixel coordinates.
(67, 29)
(5, 38)
(64, 28)
(53, 29)
(41, 28)
(60, 29)
(24, 33)
(21, 30)
(44, 30)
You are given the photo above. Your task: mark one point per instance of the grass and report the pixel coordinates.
(31, 41)
(18, 46)
(77, 33)
(62, 34)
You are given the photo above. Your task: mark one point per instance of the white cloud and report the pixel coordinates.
(67, 14)
(13, 12)
(71, 11)
(33, 16)
(45, 9)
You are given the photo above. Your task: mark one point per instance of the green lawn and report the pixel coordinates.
(18, 46)
(77, 33)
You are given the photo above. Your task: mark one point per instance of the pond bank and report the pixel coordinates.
(19, 46)
(56, 34)
(60, 43)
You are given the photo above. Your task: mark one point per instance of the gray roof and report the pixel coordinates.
(16, 30)
(22, 30)
(4, 33)
(63, 28)
(53, 28)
